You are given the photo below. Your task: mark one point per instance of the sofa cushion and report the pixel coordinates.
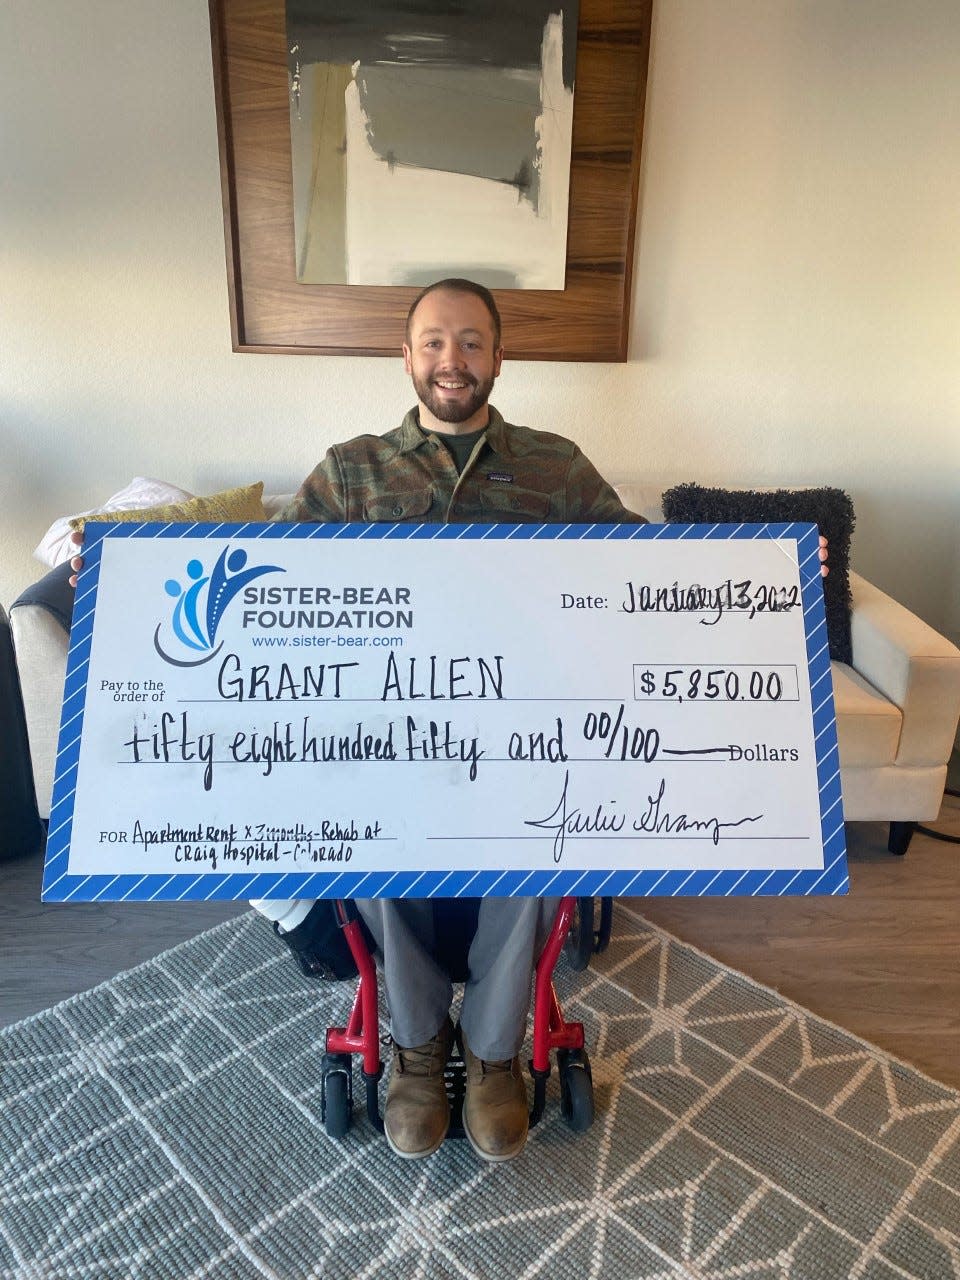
(274, 503)
(645, 499)
(868, 725)
(829, 509)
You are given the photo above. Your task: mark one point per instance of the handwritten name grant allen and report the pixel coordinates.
(570, 820)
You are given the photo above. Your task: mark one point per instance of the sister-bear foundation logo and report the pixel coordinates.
(200, 603)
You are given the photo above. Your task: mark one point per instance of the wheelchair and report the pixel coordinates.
(574, 933)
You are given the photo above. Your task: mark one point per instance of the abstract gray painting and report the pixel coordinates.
(431, 138)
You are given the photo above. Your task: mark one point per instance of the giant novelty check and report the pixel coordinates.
(364, 710)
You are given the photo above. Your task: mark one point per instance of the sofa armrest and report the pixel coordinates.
(18, 809)
(40, 643)
(912, 665)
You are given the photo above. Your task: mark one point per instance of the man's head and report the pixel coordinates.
(457, 285)
(453, 353)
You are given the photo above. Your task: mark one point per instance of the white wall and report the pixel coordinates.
(796, 310)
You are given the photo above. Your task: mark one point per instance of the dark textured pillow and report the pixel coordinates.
(829, 509)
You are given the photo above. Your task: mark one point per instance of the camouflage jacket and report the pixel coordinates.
(514, 475)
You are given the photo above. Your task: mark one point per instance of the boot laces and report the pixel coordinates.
(420, 1059)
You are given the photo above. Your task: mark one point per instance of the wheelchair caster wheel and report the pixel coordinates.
(576, 1088)
(336, 1094)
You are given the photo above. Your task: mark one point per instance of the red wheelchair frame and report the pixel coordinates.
(551, 1032)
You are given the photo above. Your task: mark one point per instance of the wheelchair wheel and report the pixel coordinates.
(578, 947)
(336, 1102)
(602, 939)
(576, 1088)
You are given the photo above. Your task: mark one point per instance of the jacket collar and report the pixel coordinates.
(412, 436)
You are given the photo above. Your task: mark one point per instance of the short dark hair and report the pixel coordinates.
(456, 285)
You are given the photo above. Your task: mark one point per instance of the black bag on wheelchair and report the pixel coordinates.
(318, 944)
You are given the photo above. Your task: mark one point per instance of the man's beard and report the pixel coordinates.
(450, 410)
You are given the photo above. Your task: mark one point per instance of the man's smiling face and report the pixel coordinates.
(453, 361)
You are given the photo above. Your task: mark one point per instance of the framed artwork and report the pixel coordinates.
(431, 140)
(369, 148)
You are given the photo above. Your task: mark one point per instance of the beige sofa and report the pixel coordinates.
(897, 707)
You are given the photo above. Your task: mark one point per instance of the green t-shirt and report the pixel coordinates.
(460, 447)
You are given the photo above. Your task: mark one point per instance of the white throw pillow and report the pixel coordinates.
(56, 545)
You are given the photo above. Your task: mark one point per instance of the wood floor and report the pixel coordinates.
(49, 951)
(883, 962)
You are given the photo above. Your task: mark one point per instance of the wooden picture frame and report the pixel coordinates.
(271, 312)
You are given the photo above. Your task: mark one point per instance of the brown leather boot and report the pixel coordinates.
(417, 1114)
(496, 1113)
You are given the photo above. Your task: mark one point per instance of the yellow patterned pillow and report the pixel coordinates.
(232, 506)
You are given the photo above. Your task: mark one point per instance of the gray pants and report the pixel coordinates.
(501, 960)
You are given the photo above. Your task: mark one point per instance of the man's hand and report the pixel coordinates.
(76, 562)
(824, 554)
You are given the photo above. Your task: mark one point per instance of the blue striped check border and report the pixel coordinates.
(60, 886)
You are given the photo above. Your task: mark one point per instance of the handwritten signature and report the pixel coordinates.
(566, 820)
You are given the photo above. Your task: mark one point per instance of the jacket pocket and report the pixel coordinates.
(411, 504)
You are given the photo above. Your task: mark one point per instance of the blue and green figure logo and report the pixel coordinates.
(201, 603)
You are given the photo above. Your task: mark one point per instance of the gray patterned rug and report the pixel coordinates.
(166, 1126)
